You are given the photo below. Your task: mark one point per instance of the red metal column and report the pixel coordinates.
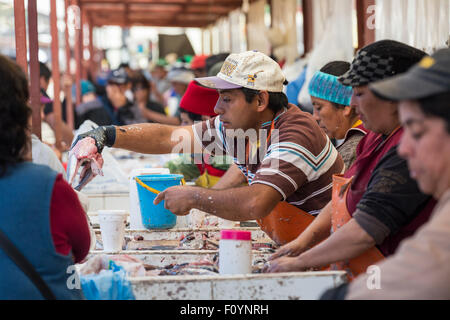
(21, 34)
(308, 25)
(83, 47)
(91, 50)
(56, 76)
(68, 90)
(35, 92)
(78, 53)
(366, 35)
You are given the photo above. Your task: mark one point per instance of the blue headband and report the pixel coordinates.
(327, 87)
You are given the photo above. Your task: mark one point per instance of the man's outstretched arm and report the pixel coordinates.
(149, 138)
(236, 204)
(153, 138)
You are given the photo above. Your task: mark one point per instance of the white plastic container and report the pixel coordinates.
(135, 208)
(235, 252)
(112, 228)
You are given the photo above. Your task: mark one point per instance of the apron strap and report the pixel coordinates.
(340, 216)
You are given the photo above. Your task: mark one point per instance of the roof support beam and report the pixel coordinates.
(366, 35)
(56, 76)
(308, 25)
(68, 89)
(78, 53)
(35, 91)
(21, 34)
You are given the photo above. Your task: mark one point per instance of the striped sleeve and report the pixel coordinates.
(211, 136)
(290, 165)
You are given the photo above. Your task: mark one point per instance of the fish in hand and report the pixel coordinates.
(84, 154)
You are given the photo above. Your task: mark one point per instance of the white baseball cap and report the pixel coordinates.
(251, 69)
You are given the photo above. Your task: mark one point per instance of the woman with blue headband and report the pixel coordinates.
(333, 112)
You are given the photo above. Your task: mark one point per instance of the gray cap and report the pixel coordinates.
(180, 75)
(429, 77)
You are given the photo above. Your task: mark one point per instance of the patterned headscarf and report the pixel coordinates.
(327, 87)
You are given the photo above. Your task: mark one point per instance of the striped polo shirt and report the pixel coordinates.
(298, 160)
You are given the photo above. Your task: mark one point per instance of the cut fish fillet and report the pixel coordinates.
(84, 154)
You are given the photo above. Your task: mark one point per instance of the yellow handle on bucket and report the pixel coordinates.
(183, 182)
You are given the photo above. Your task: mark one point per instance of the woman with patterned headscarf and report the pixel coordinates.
(333, 110)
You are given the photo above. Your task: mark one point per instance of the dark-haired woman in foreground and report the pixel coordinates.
(41, 214)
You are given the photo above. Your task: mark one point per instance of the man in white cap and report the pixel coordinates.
(280, 153)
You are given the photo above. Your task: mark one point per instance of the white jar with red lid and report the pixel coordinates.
(235, 252)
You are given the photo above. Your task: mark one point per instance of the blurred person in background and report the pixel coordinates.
(47, 133)
(91, 107)
(151, 110)
(179, 80)
(45, 75)
(198, 66)
(119, 107)
(126, 67)
(160, 84)
(131, 73)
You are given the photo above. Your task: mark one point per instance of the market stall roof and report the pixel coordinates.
(168, 13)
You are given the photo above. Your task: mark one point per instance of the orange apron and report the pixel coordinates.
(285, 223)
(341, 216)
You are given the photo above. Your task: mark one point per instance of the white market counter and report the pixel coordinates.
(275, 286)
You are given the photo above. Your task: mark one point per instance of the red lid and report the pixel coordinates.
(199, 100)
(235, 235)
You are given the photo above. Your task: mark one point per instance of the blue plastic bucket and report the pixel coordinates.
(156, 216)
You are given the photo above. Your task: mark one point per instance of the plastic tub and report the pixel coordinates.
(135, 208)
(156, 216)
